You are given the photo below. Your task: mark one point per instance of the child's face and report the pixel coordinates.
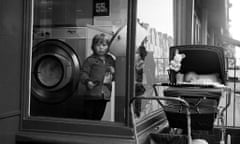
(101, 49)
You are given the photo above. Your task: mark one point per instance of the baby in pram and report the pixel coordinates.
(192, 77)
(199, 79)
(197, 75)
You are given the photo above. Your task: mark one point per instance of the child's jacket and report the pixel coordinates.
(94, 69)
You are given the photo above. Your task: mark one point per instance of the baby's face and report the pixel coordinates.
(191, 77)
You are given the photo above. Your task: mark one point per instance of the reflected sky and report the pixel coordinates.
(157, 13)
(235, 20)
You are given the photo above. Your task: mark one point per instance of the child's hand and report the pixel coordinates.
(108, 78)
(91, 84)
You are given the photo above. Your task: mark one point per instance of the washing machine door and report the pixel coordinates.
(55, 71)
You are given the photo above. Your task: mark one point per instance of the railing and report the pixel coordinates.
(232, 115)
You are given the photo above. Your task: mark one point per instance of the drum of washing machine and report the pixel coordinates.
(55, 71)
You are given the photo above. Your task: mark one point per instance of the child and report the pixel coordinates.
(140, 55)
(97, 75)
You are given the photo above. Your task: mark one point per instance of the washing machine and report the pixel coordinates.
(57, 55)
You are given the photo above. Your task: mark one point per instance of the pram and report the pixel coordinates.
(195, 106)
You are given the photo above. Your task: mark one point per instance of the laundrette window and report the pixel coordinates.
(62, 37)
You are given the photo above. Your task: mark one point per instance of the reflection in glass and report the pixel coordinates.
(158, 23)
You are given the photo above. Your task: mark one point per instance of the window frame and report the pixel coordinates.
(79, 126)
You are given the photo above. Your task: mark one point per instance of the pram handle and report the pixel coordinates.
(185, 85)
(158, 99)
(225, 88)
(161, 98)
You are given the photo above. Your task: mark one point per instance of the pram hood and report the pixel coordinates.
(202, 59)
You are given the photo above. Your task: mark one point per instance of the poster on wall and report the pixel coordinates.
(101, 8)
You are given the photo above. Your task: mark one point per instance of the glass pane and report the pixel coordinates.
(79, 59)
(153, 39)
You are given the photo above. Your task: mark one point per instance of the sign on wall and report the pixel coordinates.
(101, 8)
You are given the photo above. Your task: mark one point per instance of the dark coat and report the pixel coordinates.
(94, 69)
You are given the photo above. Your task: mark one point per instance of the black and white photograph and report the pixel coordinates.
(120, 72)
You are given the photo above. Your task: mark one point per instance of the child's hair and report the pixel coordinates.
(142, 52)
(99, 39)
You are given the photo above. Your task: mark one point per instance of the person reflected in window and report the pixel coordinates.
(97, 75)
(140, 55)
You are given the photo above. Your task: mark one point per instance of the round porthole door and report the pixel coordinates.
(55, 71)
